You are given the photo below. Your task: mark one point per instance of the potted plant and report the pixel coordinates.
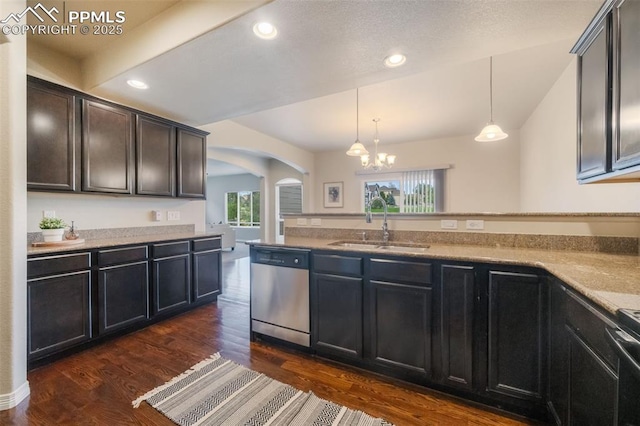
(52, 229)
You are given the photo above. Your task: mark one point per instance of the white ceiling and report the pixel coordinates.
(300, 87)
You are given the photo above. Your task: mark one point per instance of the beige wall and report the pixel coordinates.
(13, 207)
(484, 176)
(102, 211)
(548, 160)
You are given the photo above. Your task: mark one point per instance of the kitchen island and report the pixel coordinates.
(521, 329)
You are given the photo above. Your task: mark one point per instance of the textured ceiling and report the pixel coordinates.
(300, 87)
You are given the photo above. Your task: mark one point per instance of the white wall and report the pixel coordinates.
(103, 211)
(548, 160)
(484, 176)
(13, 207)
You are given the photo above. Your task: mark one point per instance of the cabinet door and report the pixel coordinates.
(516, 330)
(206, 275)
(58, 312)
(155, 157)
(336, 315)
(123, 295)
(558, 354)
(50, 139)
(458, 287)
(400, 318)
(171, 282)
(626, 146)
(106, 148)
(594, 101)
(592, 386)
(192, 164)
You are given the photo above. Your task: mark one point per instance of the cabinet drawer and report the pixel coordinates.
(399, 270)
(589, 324)
(170, 249)
(336, 264)
(207, 244)
(52, 265)
(122, 255)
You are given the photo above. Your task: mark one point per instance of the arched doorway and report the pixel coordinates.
(288, 200)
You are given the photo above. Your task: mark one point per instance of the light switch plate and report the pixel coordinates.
(156, 215)
(301, 221)
(49, 214)
(449, 224)
(316, 221)
(173, 215)
(475, 224)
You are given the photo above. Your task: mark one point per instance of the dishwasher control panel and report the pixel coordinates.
(286, 258)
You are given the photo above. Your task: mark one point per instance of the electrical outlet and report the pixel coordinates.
(173, 215)
(49, 214)
(475, 224)
(316, 221)
(156, 215)
(449, 224)
(302, 221)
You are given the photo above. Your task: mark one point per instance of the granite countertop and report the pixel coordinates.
(611, 281)
(120, 241)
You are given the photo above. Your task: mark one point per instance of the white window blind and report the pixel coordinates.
(419, 189)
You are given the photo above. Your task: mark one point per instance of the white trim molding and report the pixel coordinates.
(10, 400)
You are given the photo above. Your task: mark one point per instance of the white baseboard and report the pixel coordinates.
(14, 398)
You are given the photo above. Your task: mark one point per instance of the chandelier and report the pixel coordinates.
(380, 160)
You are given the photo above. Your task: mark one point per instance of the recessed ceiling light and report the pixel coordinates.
(265, 30)
(137, 84)
(395, 60)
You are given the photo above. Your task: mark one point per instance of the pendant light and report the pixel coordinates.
(357, 149)
(491, 132)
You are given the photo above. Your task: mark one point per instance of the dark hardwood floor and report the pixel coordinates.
(96, 386)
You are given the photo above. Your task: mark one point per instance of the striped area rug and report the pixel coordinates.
(217, 391)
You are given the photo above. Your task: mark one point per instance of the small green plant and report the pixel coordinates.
(52, 223)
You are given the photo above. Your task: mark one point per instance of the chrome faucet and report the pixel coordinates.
(368, 218)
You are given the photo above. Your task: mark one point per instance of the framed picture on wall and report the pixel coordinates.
(333, 194)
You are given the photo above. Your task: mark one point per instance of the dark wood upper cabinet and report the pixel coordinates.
(155, 157)
(107, 149)
(192, 163)
(594, 100)
(608, 92)
(51, 142)
(79, 143)
(626, 129)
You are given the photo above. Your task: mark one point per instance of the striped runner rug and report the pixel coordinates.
(217, 391)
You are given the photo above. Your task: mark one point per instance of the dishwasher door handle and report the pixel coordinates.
(620, 342)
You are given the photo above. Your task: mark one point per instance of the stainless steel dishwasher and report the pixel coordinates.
(280, 293)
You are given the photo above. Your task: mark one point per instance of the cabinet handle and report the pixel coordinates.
(620, 341)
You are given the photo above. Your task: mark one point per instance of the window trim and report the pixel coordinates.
(237, 223)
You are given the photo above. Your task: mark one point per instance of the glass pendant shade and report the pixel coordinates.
(357, 149)
(491, 132)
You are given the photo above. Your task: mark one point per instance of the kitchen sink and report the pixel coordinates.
(381, 246)
(355, 245)
(404, 249)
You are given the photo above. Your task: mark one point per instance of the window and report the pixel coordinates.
(415, 191)
(243, 208)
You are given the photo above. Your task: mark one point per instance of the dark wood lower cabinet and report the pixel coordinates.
(59, 312)
(123, 295)
(592, 386)
(457, 322)
(516, 335)
(400, 321)
(336, 315)
(171, 282)
(206, 275)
